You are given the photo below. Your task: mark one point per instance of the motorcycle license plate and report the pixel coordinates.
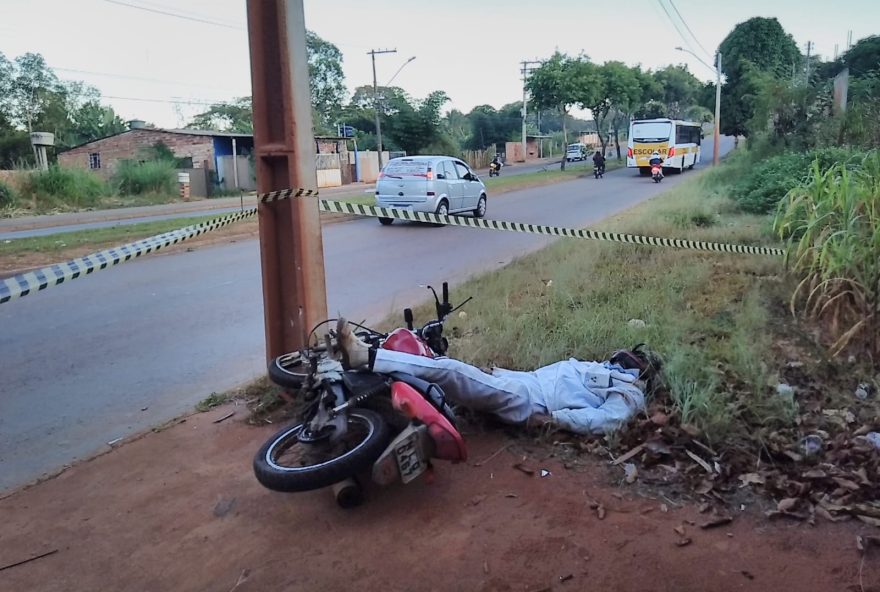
(409, 458)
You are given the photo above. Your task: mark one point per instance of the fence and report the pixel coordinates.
(479, 159)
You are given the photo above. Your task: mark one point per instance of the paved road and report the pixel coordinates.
(126, 349)
(32, 226)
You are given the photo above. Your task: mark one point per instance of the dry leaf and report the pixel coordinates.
(716, 522)
(846, 483)
(631, 473)
(683, 542)
(600, 512)
(659, 419)
(787, 505)
(869, 520)
(706, 466)
(815, 474)
(751, 479)
(679, 530)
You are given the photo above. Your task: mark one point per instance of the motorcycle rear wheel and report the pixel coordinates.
(274, 470)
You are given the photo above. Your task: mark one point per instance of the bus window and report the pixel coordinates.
(651, 131)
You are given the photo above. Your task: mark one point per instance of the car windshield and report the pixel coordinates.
(406, 168)
(651, 131)
(574, 147)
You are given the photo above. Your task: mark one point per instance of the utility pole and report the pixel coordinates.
(809, 47)
(848, 39)
(373, 53)
(525, 70)
(716, 140)
(291, 250)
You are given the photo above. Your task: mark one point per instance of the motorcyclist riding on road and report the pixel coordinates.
(656, 160)
(599, 160)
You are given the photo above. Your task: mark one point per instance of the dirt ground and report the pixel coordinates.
(180, 510)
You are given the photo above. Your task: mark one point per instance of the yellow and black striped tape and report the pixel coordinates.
(342, 207)
(39, 279)
(33, 281)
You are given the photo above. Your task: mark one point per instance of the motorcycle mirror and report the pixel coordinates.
(408, 317)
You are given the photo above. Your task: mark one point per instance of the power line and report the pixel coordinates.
(671, 20)
(176, 15)
(181, 101)
(684, 22)
(137, 78)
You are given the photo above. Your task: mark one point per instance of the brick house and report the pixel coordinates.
(205, 148)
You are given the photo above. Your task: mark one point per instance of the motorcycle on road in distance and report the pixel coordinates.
(656, 173)
(598, 170)
(495, 168)
(360, 426)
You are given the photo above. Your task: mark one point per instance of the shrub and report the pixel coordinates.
(136, 178)
(7, 195)
(832, 222)
(763, 186)
(67, 186)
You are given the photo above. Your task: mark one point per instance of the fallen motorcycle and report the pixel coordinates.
(358, 422)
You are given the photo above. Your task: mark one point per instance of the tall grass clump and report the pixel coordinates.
(152, 176)
(832, 223)
(8, 196)
(60, 186)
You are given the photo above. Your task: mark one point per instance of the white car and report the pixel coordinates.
(436, 184)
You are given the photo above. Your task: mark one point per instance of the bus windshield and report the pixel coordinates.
(651, 131)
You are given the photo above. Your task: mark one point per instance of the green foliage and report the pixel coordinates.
(413, 125)
(762, 186)
(152, 176)
(832, 221)
(226, 117)
(489, 127)
(8, 196)
(326, 78)
(754, 46)
(786, 114)
(65, 186)
(15, 150)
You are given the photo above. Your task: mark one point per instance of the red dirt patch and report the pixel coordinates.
(181, 510)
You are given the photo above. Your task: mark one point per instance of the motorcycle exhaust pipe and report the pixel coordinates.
(348, 493)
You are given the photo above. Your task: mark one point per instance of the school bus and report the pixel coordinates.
(677, 142)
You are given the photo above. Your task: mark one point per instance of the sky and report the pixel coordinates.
(164, 69)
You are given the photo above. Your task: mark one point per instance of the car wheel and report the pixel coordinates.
(442, 210)
(481, 207)
(386, 221)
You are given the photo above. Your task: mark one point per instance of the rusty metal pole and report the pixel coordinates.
(291, 250)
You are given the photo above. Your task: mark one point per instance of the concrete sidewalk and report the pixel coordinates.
(220, 203)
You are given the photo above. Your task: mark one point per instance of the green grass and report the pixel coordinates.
(64, 187)
(705, 312)
(138, 178)
(94, 237)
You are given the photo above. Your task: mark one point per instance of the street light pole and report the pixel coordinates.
(717, 139)
(717, 70)
(373, 53)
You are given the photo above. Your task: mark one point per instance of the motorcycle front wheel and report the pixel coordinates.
(289, 461)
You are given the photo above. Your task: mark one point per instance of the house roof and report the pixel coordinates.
(182, 132)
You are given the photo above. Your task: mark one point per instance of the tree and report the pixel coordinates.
(679, 89)
(326, 79)
(413, 125)
(623, 90)
(6, 81)
(755, 46)
(558, 84)
(489, 126)
(237, 116)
